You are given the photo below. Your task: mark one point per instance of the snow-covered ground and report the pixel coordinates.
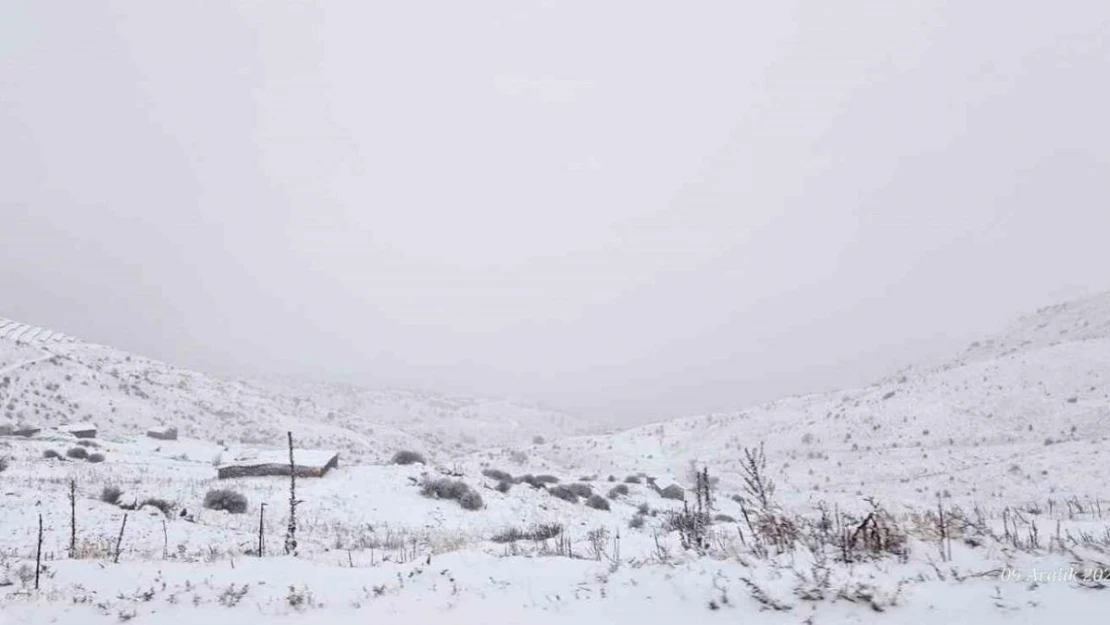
(982, 480)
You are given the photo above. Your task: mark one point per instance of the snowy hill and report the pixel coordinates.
(968, 492)
(1016, 417)
(48, 379)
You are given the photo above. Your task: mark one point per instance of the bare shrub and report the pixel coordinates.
(636, 522)
(4, 463)
(597, 502)
(877, 535)
(77, 453)
(723, 518)
(618, 491)
(504, 487)
(96, 457)
(547, 479)
(537, 533)
(225, 499)
(51, 454)
(632, 479)
(693, 524)
(406, 457)
(758, 486)
(231, 596)
(538, 440)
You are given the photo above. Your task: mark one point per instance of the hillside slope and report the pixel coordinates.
(1016, 415)
(48, 379)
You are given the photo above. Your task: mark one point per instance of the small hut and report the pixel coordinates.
(667, 488)
(163, 433)
(26, 431)
(80, 430)
(307, 463)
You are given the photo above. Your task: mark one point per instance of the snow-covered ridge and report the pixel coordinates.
(48, 379)
(16, 331)
(1024, 413)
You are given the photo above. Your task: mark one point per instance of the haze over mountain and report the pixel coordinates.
(631, 211)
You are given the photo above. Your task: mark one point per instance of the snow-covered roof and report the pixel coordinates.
(301, 457)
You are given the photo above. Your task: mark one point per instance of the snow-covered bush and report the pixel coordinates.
(111, 494)
(597, 502)
(406, 457)
(564, 493)
(77, 453)
(674, 491)
(165, 506)
(582, 490)
(443, 488)
(471, 500)
(498, 475)
(226, 499)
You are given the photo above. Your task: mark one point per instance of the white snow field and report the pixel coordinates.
(972, 492)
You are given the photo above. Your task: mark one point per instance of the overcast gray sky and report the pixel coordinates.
(630, 209)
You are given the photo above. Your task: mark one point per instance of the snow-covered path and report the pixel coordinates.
(24, 364)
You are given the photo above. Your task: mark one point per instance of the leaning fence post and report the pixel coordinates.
(72, 517)
(119, 541)
(261, 530)
(38, 555)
